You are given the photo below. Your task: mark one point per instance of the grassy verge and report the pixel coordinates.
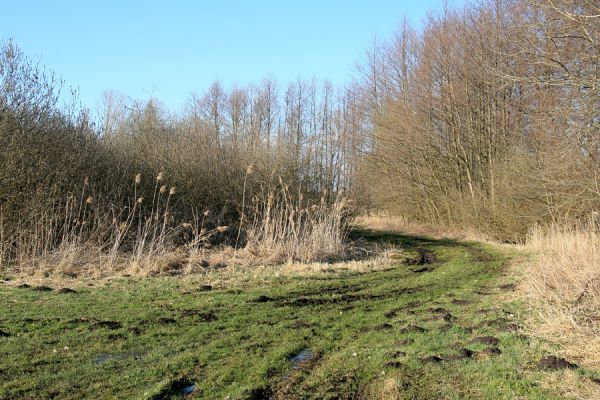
(440, 330)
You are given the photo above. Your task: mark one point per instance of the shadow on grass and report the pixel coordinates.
(407, 241)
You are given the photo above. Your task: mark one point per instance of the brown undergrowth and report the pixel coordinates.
(86, 237)
(562, 282)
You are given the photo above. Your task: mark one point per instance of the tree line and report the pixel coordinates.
(488, 116)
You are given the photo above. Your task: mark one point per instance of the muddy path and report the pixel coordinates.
(434, 325)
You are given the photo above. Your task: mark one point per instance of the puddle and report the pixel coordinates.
(188, 389)
(302, 356)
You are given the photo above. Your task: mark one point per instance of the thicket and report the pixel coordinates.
(141, 181)
(489, 117)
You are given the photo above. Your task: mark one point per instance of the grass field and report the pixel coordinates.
(443, 329)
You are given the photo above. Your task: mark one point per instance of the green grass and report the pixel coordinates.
(167, 334)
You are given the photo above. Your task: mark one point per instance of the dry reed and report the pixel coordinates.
(563, 283)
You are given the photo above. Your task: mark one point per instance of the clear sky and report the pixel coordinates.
(169, 49)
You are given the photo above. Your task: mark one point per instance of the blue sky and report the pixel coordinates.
(169, 49)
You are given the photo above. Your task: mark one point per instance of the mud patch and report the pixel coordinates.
(439, 310)
(176, 387)
(205, 288)
(135, 330)
(393, 365)
(262, 299)
(166, 321)
(422, 269)
(432, 359)
(202, 316)
(107, 324)
(66, 290)
(442, 317)
(508, 286)
(404, 342)
(555, 363)
(42, 288)
(302, 324)
(459, 302)
(502, 324)
(261, 393)
(488, 340)
(383, 327)
(489, 352)
(424, 257)
(396, 354)
(462, 354)
(446, 327)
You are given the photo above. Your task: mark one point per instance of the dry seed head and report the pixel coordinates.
(86, 181)
(186, 225)
(140, 200)
(163, 188)
(138, 179)
(89, 200)
(206, 213)
(250, 169)
(173, 191)
(222, 228)
(159, 177)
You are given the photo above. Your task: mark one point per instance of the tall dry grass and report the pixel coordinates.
(86, 235)
(563, 283)
(288, 228)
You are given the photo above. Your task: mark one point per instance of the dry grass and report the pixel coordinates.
(287, 228)
(393, 223)
(220, 268)
(563, 283)
(87, 237)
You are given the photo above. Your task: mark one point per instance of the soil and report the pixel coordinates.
(489, 340)
(262, 299)
(203, 316)
(555, 363)
(383, 327)
(425, 257)
(393, 364)
(404, 342)
(42, 288)
(459, 302)
(166, 321)
(107, 324)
